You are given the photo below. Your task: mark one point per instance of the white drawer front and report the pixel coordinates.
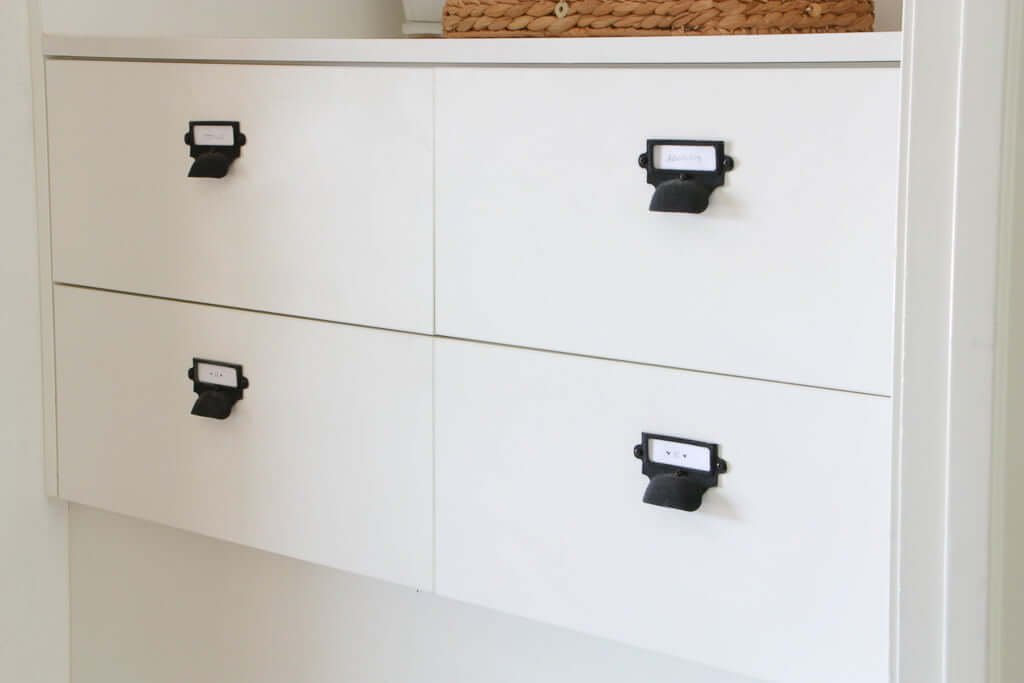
(327, 458)
(782, 575)
(327, 213)
(544, 238)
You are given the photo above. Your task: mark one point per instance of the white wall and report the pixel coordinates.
(157, 605)
(225, 18)
(33, 530)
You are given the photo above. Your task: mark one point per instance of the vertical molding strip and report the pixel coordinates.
(932, 40)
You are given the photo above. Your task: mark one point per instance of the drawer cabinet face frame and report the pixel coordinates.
(327, 213)
(782, 575)
(327, 458)
(544, 238)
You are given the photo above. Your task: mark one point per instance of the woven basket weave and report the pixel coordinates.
(576, 18)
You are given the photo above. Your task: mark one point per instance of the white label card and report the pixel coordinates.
(214, 136)
(685, 158)
(208, 373)
(678, 454)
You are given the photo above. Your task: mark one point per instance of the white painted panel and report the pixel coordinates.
(783, 574)
(327, 214)
(544, 238)
(327, 458)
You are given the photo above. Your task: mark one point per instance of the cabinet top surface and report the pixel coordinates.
(680, 50)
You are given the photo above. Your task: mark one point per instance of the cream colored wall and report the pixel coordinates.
(33, 530)
(888, 15)
(225, 18)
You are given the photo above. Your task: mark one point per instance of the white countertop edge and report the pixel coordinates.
(768, 49)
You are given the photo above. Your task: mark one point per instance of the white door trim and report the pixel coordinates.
(954, 62)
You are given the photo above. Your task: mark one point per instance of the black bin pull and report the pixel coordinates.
(681, 471)
(219, 386)
(214, 145)
(684, 173)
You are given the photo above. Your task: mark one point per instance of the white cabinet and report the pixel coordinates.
(326, 458)
(782, 575)
(326, 214)
(544, 238)
(489, 456)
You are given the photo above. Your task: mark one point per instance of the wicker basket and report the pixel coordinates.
(577, 18)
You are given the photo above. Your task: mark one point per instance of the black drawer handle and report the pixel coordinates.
(680, 471)
(684, 173)
(214, 404)
(210, 165)
(219, 385)
(214, 145)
